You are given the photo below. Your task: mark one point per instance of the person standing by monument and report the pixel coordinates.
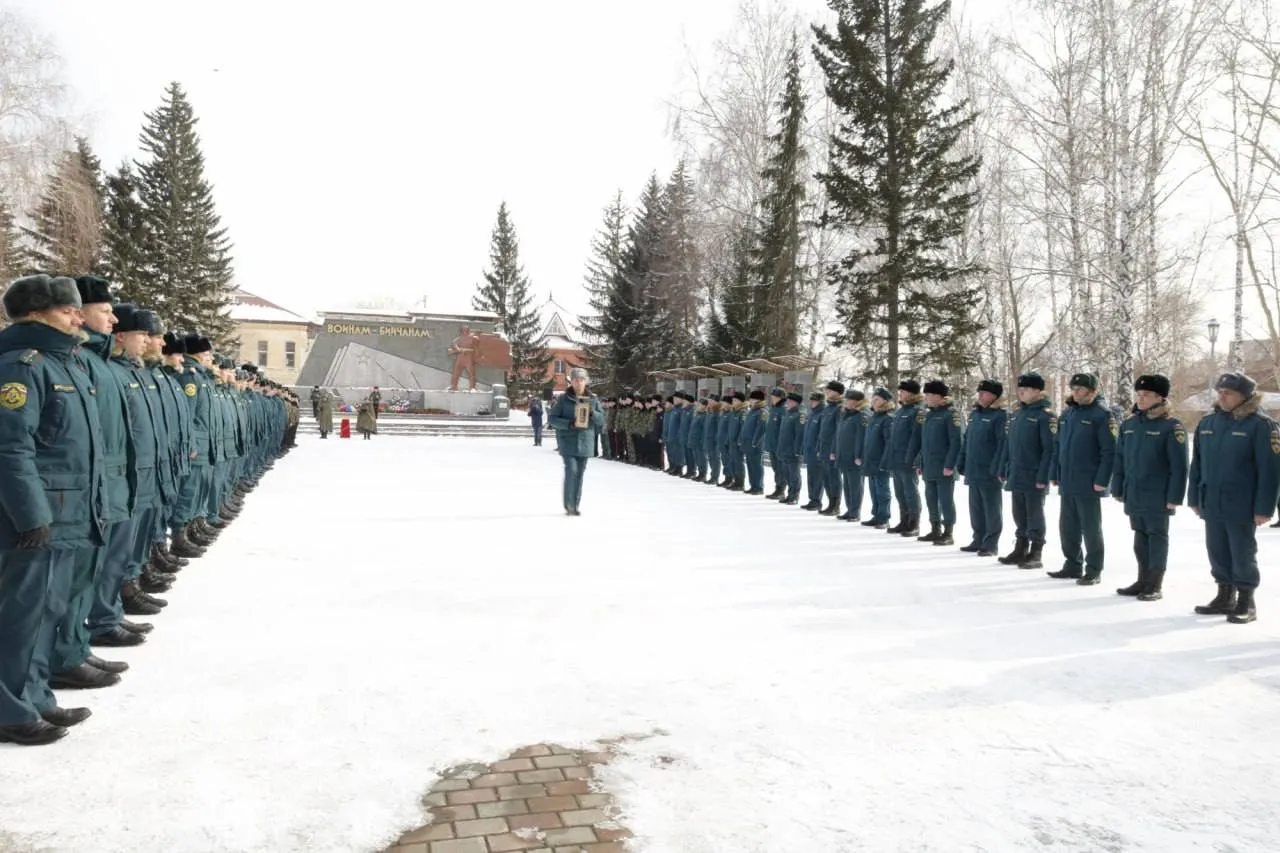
(576, 417)
(535, 418)
(375, 400)
(463, 349)
(323, 404)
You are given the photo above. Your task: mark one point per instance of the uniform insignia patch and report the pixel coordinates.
(1053, 424)
(1114, 427)
(29, 357)
(803, 418)
(957, 418)
(13, 395)
(1180, 434)
(920, 416)
(1275, 438)
(189, 389)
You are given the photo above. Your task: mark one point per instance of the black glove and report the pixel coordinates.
(30, 540)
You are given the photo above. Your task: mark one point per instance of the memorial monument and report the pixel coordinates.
(415, 357)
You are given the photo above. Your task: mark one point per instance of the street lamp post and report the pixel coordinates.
(1214, 326)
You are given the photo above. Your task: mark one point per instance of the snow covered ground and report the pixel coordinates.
(386, 609)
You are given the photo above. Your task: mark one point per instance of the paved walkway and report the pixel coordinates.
(540, 799)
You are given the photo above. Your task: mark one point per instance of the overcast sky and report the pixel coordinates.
(361, 150)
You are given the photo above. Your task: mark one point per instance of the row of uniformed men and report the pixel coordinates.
(114, 437)
(850, 444)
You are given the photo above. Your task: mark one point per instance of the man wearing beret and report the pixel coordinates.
(1025, 459)
(1083, 458)
(899, 459)
(1234, 481)
(1150, 479)
(50, 496)
(980, 466)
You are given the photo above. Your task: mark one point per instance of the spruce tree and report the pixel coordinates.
(896, 178)
(506, 292)
(64, 236)
(11, 261)
(651, 339)
(776, 258)
(124, 233)
(609, 316)
(184, 269)
(679, 281)
(740, 312)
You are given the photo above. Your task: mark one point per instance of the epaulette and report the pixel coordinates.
(29, 357)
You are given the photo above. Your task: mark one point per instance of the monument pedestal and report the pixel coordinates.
(464, 403)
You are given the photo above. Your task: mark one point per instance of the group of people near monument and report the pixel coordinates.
(125, 451)
(323, 403)
(853, 456)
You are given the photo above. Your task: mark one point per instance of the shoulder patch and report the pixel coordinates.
(920, 416)
(1275, 438)
(957, 418)
(803, 418)
(1112, 426)
(1180, 434)
(13, 395)
(1053, 424)
(29, 357)
(189, 389)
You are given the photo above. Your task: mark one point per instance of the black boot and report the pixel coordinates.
(900, 526)
(1137, 587)
(1065, 574)
(1245, 611)
(1017, 555)
(812, 505)
(774, 495)
(134, 602)
(1032, 559)
(911, 527)
(116, 666)
(116, 638)
(934, 534)
(971, 548)
(1153, 591)
(945, 538)
(82, 677)
(183, 546)
(38, 733)
(829, 511)
(1223, 603)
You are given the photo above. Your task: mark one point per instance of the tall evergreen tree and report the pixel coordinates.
(603, 326)
(776, 257)
(65, 234)
(124, 233)
(506, 292)
(896, 177)
(650, 342)
(185, 265)
(740, 312)
(11, 260)
(679, 282)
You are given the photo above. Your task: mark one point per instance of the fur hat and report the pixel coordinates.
(94, 290)
(910, 386)
(1031, 380)
(131, 318)
(173, 345)
(835, 385)
(39, 293)
(756, 394)
(1154, 382)
(817, 395)
(1236, 382)
(991, 386)
(795, 395)
(1084, 380)
(883, 393)
(779, 393)
(854, 394)
(936, 386)
(196, 344)
(250, 367)
(153, 321)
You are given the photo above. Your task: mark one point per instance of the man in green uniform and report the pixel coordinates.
(51, 496)
(1150, 479)
(1083, 456)
(937, 454)
(1234, 482)
(1025, 459)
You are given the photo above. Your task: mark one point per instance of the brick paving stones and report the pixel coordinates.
(540, 799)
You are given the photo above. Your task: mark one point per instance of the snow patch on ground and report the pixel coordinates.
(386, 610)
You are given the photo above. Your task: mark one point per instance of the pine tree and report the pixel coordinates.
(602, 326)
(184, 269)
(506, 293)
(651, 339)
(11, 261)
(740, 312)
(895, 177)
(679, 283)
(124, 232)
(65, 234)
(776, 258)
